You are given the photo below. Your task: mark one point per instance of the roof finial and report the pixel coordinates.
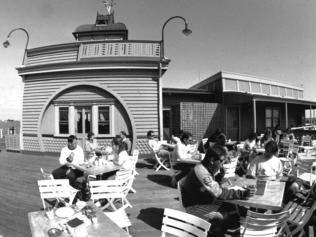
(109, 6)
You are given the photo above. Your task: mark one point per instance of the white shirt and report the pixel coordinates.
(181, 152)
(123, 160)
(271, 168)
(154, 145)
(78, 155)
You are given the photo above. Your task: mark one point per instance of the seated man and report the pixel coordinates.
(182, 152)
(269, 167)
(202, 186)
(159, 148)
(71, 154)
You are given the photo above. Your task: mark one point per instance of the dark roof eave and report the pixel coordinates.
(185, 91)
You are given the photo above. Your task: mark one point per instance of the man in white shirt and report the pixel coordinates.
(71, 154)
(157, 147)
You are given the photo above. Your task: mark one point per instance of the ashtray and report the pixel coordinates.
(54, 232)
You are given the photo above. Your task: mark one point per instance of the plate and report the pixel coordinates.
(64, 212)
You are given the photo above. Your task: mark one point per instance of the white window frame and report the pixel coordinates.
(94, 120)
(272, 118)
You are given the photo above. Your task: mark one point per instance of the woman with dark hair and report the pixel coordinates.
(202, 186)
(121, 157)
(267, 137)
(92, 149)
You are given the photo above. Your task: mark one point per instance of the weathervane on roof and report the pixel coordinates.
(109, 6)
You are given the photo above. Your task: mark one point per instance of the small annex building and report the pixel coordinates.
(237, 104)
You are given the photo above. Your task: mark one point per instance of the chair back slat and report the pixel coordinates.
(260, 224)
(183, 224)
(46, 174)
(55, 188)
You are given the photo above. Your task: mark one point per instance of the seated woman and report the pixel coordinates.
(120, 157)
(92, 149)
(202, 186)
(269, 167)
(266, 137)
(248, 152)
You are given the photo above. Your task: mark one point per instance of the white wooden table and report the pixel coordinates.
(91, 169)
(40, 224)
(270, 200)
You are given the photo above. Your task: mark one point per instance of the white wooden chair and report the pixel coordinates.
(262, 224)
(306, 171)
(46, 174)
(56, 189)
(49, 176)
(120, 218)
(306, 140)
(301, 209)
(128, 177)
(134, 159)
(183, 224)
(161, 162)
(111, 190)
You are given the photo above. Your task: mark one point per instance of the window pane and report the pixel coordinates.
(275, 113)
(63, 120)
(88, 121)
(275, 121)
(268, 123)
(268, 113)
(104, 120)
(79, 121)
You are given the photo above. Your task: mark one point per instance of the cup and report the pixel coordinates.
(50, 212)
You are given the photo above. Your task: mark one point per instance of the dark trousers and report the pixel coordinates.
(73, 175)
(226, 218)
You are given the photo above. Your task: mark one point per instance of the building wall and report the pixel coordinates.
(246, 120)
(138, 93)
(201, 119)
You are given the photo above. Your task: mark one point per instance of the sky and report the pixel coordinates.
(269, 39)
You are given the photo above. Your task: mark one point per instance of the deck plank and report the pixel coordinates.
(19, 194)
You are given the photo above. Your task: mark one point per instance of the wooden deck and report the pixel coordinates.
(19, 194)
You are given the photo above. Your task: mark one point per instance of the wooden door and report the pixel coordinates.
(232, 125)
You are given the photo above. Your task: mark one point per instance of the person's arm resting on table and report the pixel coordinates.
(214, 188)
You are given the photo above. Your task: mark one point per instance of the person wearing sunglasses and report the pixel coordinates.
(202, 186)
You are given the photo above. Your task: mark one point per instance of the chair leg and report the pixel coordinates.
(132, 190)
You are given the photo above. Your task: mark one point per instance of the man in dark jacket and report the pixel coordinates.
(202, 186)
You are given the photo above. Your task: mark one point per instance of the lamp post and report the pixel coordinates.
(7, 43)
(186, 31)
